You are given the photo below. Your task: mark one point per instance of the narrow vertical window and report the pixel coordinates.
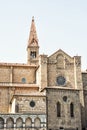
(16, 108)
(71, 110)
(33, 54)
(58, 109)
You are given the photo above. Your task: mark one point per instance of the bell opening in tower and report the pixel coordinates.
(33, 54)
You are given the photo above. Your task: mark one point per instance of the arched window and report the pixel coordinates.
(17, 108)
(72, 110)
(28, 123)
(1, 123)
(37, 122)
(10, 123)
(33, 54)
(19, 123)
(58, 109)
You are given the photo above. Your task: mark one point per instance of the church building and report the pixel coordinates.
(46, 93)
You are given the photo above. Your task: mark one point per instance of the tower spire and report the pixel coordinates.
(33, 48)
(33, 40)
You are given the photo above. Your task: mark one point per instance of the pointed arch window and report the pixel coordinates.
(72, 110)
(17, 108)
(58, 109)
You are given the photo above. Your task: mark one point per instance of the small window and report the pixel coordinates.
(61, 128)
(23, 80)
(32, 103)
(71, 110)
(58, 109)
(65, 98)
(33, 54)
(16, 108)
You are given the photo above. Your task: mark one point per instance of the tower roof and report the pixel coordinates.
(33, 40)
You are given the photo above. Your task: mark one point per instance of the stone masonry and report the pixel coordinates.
(46, 93)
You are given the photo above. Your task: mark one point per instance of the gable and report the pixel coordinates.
(61, 64)
(61, 58)
(60, 53)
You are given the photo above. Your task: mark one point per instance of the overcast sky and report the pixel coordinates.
(60, 24)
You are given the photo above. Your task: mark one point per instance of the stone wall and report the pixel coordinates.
(31, 104)
(60, 64)
(85, 108)
(84, 80)
(26, 75)
(4, 100)
(11, 74)
(42, 72)
(65, 98)
(4, 74)
(17, 74)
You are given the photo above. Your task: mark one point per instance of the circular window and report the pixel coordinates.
(65, 98)
(23, 80)
(61, 80)
(32, 103)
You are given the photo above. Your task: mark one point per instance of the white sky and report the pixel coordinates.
(60, 24)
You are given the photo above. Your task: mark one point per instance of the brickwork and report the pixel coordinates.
(27, 73)
(4, 100)
(4, 74)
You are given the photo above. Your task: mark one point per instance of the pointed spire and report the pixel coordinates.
(33, 40)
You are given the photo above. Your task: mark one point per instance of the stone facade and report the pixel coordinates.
(48, 92)
(65, 98)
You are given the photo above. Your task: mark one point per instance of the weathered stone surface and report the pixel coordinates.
(32, 95)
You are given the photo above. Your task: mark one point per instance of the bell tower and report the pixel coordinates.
(33, 47)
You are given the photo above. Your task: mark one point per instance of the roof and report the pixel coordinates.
(33, 40)
(17, 64)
